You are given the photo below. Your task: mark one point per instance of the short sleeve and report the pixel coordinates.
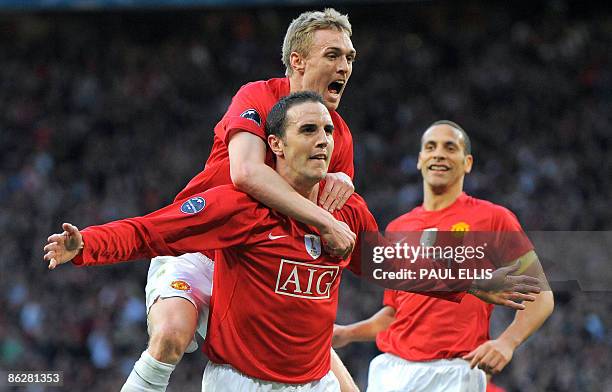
(343, 157)
(511, 242)
(246, 113)
(389, 298)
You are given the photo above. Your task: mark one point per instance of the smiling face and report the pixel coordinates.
(442, 159)
(304, 152)
(328, 65)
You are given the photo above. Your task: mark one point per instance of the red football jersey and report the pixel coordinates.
(248, 112)
(276, 292)
(427, 328)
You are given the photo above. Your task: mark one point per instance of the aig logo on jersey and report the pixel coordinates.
(305, 280)
(313, 245)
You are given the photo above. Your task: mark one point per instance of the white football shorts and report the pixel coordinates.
(188, 276)
(224, 378)
(390, 373)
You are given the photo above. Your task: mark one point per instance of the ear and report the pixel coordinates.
(419, 165)
(469, 161)
(276, 145)
(297, 62)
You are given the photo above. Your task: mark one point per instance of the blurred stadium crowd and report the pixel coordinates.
(108, 115)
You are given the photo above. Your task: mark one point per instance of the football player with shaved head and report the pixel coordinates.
(430, 345)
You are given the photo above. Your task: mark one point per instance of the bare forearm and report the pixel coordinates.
(347, 384)
(366, 330)
(527, 321)
(267, 186)
(251, 175)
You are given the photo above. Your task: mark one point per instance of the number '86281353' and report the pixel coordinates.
(34, 377)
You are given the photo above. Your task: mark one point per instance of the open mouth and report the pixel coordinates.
(438, 168)
(336, 86)
(321, 157)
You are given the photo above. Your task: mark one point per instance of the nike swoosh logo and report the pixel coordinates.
(275, 237)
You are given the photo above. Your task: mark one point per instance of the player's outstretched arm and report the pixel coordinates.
(250, 174)
(194, 225)
(494, 355)
(63, 247)
(501, 288)
(363, 331)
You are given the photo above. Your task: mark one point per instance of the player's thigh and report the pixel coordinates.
(464, 379)
(389, 373)
(174, 315)
(384, 374)
(447, 375)
(178, 290)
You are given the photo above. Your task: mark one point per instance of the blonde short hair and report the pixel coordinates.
(301, 30)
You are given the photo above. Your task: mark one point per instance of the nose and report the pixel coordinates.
(343, 65)
(323, 139)
(439, 154)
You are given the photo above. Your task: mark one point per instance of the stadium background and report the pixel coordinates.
(107, 114)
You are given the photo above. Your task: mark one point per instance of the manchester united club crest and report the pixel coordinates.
(313, 245)
(428, 238)
(181, 285)
(459, 229)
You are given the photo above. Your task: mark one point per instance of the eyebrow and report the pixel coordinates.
(337, 49)
(446, 143)
(307, 127)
